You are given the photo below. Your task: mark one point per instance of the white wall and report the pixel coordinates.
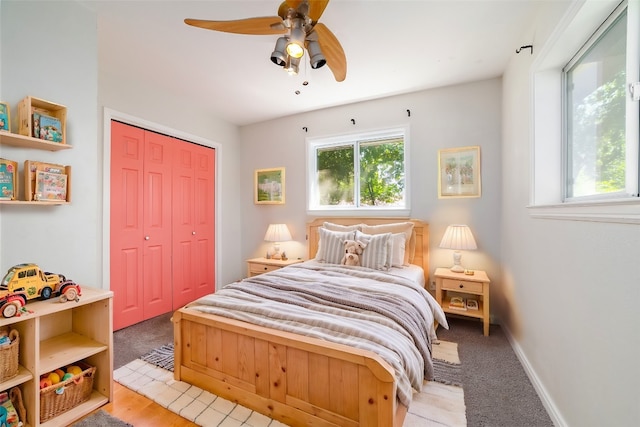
(49, 51)
(449, 117)
(570, 289)
(73, 239)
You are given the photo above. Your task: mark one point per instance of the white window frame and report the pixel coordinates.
(313, 142)
(548, 174)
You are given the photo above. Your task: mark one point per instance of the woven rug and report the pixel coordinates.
(440, 403)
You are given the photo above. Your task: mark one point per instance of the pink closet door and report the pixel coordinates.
(157, 224)
(193, 222)
(140, 253)
(127, 224)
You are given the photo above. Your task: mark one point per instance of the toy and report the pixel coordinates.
(351, 259)
(24, 282)
(45, 382)
(352, 251)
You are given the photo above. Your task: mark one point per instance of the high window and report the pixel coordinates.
(586, 115)
(358, 172)
(601, 145)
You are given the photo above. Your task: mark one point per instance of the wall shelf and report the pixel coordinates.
(15, 140)
(33, 202)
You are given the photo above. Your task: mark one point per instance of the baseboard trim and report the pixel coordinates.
(547, 401)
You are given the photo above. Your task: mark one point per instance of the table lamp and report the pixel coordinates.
(277, 233)
(458, 237)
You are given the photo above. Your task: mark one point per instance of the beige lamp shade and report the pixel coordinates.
(458, 237)
(277, 233)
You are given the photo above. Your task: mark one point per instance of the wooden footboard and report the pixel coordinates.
(297, 380)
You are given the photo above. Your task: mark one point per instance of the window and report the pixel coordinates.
(358, 172)
(586, 120)
(595, 111)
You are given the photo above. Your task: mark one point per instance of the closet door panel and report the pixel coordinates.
(127, 219)
(184, 230)
(157, 224)
(205, 219)
(194, 260)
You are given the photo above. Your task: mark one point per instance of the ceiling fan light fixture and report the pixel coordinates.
(278, 56)
(295, 47)
(316, 58)
(295, 50)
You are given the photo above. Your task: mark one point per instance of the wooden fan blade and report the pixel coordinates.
(332, 51)
(253, 26)
(286, 5)
(316, 9)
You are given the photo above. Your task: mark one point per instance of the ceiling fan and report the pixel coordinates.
(297, 22)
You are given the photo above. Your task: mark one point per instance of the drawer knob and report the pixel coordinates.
(265, 268)
(461, 286)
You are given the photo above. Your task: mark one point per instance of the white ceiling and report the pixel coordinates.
(392, 47)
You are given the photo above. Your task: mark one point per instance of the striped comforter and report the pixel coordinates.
(356, 306)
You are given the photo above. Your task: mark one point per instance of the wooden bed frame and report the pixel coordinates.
(297, 380)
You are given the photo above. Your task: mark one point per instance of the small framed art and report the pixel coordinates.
(269, 186)
(459, 172)
(5, 117)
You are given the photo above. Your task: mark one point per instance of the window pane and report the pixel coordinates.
(335, 176)
(382, 173)
(596, 116)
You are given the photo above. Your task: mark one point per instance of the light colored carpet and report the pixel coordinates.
(436, 405)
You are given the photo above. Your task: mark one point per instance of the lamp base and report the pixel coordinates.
(457, 269)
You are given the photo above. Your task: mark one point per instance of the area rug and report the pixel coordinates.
(101, 419)
(439, 403)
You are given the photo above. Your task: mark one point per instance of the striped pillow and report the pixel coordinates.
(331, 245)
(376, 254)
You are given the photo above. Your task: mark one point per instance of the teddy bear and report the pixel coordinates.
(351, 259)
(352, 251)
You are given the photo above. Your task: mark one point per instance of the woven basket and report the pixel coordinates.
(59, 398)
(9, 357)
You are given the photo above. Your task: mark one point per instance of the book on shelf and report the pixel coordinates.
(457, 303)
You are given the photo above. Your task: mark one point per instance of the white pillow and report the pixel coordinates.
(375, 255)
(338, 227)
(398, 244)
(331, 245)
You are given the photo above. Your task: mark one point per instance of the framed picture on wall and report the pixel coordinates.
(459, 172)
(269, 186)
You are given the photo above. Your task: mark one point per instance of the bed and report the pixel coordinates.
(304, 375)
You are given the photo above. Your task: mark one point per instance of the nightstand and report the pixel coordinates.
(257, 266)
(474, 287)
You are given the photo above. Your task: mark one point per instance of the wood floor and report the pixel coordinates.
(136, 409)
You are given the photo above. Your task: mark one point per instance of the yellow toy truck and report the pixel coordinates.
(24, 282)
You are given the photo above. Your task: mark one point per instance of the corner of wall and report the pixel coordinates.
(545, 397)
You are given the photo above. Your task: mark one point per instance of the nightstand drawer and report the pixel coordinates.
(461, 286)
(261, 268)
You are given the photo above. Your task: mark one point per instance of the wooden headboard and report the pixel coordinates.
(420, 234)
